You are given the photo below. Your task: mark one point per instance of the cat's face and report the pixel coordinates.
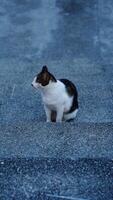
(43, 78)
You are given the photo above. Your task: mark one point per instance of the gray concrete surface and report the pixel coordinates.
(70, 37)
(67, 140)
(65, 161)
(56, 161)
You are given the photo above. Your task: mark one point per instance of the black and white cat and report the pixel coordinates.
(60, 97)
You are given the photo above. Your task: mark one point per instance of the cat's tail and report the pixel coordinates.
(71, 115)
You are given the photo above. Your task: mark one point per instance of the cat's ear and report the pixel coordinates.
(44, 69)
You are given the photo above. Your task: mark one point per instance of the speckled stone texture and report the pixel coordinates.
(56, 179)
(74, 38)
(56, 161)
(40, 161)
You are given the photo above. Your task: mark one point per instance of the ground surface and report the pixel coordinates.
(56, 161)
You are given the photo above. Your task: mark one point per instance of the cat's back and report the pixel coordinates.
(70, 87)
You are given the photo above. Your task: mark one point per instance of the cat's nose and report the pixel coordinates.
(31, 84)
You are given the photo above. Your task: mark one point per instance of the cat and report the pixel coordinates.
(60, 97)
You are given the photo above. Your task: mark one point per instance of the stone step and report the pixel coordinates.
(48, 161)
(66, 140)
(56, 179)
(24, 103)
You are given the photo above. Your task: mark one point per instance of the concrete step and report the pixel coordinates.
(67, 140)
(51, 179)
(24, 103)
(56, 161)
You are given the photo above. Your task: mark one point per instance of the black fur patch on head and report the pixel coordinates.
(45, 76)
(72, 91)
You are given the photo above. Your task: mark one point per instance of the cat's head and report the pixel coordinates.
(43, 78)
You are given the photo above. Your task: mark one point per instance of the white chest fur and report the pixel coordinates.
(55, 96)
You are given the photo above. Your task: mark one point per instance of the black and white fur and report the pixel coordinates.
(59, 96)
